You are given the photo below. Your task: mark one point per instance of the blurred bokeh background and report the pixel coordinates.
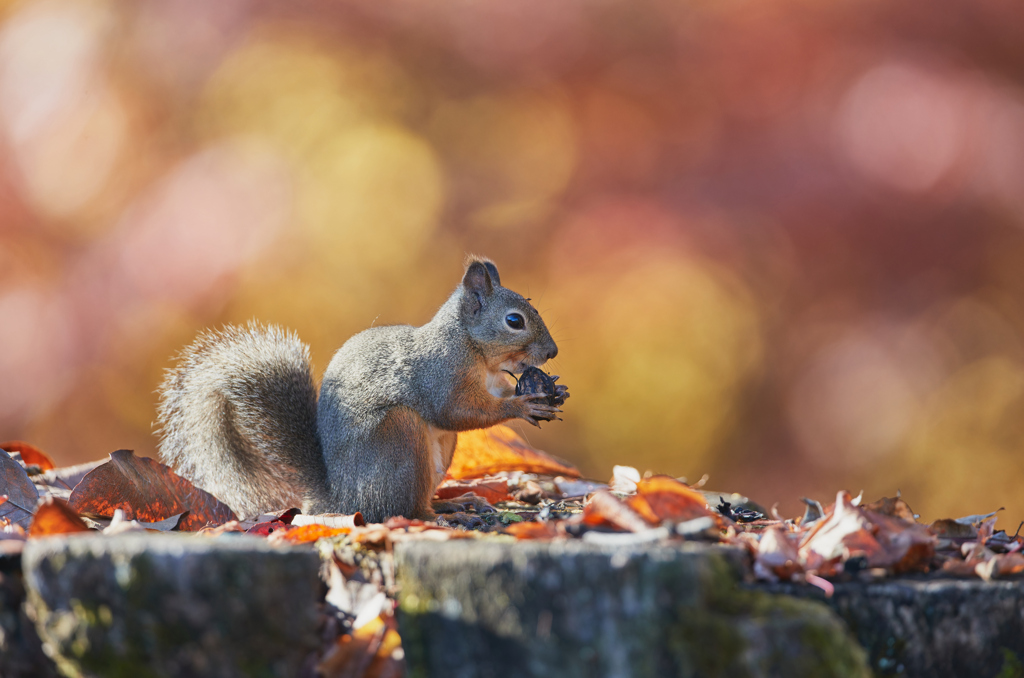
(780, 243)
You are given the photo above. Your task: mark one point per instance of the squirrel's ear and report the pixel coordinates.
(477, 285)
(492, 271)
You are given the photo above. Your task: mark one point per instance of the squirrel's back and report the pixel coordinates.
(238, 418)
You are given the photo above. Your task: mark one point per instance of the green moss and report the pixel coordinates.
(806, 638)
(1012, 666)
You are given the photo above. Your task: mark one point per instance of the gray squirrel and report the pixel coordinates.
(239, 416)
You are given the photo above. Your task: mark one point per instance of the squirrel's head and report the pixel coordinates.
(503, 325)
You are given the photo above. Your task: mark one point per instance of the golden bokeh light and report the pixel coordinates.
(769, 247)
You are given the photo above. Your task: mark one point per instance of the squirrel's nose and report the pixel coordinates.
(551, 353)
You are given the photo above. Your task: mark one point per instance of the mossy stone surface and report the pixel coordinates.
(141, 605)
(930, 627)
(575, 609)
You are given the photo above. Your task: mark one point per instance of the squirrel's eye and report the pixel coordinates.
(515, 321)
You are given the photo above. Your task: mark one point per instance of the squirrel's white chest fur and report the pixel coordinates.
(499, 383)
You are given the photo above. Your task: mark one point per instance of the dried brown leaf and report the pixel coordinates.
(778, 554)
(491, 489)
(853, 531)
(604, 509)
(147, 491)
(20, 492)
(894, 507)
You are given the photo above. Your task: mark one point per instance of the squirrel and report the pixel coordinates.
(239, 415)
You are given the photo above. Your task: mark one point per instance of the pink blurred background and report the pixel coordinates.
(778, 243)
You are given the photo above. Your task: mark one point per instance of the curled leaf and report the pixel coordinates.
(30, 454)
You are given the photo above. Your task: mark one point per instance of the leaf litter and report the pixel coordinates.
(534, 496)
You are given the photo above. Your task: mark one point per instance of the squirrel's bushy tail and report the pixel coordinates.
(237, 417)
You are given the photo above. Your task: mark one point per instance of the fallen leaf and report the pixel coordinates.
(492, 450)
(528, 493)
(491, 489)
(977, 519)
(535, 530)
(1000, 566)
(851, 531)
(669, 499)
(605, 509)
(54, 516)
(67, 477)
(624, 479)
(20, 492)
(354, 595)
(777, 554)
(147, 491)
(30, 454)
(307, 533)
(577, 487)
(947, 528)
(374, 650)
(893, 506)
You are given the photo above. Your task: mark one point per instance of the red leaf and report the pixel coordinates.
(54, 516)
(30, 454)
(147, 491)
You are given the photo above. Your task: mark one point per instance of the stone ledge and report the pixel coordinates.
(575, 609)
(172, 605)
(928, 626)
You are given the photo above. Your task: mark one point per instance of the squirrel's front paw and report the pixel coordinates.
(536, 408)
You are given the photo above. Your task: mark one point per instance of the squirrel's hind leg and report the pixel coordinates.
(396, 468)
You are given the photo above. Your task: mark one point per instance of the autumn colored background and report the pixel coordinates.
(780, 243)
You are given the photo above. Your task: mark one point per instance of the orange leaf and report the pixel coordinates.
(493, 489)
(548, 530)
(30, 454)
(668, 499)
(54, 516)
(309, 533)
(147, 491)
(605, 509)
(492, 450)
